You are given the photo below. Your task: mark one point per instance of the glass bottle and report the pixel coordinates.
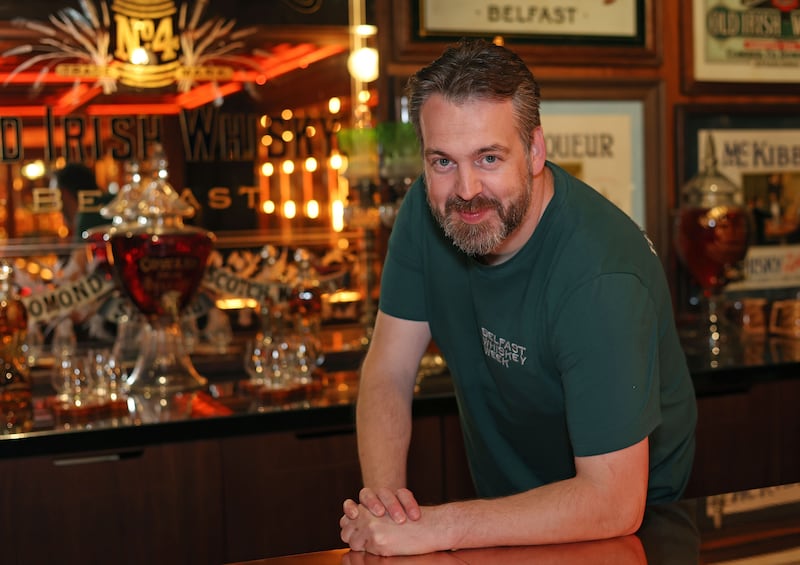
(16, 406)
(305, 311)
(120, 211)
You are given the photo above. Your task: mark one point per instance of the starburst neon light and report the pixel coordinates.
(133, 43)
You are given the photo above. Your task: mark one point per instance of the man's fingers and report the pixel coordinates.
(370, 499)
(392, 505)
(350, 508)
(410, 505)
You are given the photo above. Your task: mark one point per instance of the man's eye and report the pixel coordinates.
(442, 162)
(490, 158)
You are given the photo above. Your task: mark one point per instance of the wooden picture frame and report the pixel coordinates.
(717, 58)
(757, 148)
(643, 103)
(413, 45)
(601, 142)
(759, 138)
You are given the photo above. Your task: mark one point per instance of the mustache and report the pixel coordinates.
(480, 202)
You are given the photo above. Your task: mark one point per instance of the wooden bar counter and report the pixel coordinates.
(759, 526)
(234, 482)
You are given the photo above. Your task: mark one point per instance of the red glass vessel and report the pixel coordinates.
(710, 240)
(159, 262)
(712, 233)
(160, 272)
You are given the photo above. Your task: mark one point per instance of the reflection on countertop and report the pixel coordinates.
(230, 404)
(757, 526)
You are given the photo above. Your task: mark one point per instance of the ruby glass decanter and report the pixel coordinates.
(159, 263)
(711, 237)
(120, 211)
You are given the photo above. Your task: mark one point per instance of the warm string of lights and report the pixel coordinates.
(290, 186)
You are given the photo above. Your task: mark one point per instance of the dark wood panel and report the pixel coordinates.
(283, 492)
(132, 507)
(458, 480)
(747, 440)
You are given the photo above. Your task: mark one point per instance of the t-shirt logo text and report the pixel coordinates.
(502, 350)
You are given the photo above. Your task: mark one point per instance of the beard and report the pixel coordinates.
(481, 239)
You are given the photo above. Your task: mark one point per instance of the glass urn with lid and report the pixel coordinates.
(159, 262)
(712, 234)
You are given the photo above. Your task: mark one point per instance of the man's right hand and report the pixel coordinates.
(400, 504)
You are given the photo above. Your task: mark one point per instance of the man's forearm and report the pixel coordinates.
(383, 417)
(605, 499)
(561, 512)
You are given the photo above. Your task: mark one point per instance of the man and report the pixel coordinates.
(554, 315)
(72, 180)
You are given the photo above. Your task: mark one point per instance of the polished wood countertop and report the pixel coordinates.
(754, 527)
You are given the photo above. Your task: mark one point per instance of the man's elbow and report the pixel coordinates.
(627, 517)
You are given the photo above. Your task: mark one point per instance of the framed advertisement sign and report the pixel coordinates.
(590, 22)
(601, 142)
(570, 31)
(741, 44)
(758, 149)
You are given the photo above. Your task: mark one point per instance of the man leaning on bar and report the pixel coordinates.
(554, 315)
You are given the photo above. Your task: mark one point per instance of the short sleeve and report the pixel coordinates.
(606, 342)
(402, 279)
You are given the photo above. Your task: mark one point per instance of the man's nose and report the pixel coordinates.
(469, 185)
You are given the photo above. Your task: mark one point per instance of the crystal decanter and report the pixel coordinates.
(159, 263)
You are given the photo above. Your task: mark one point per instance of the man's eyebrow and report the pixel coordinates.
(493, 148)
(429, 152)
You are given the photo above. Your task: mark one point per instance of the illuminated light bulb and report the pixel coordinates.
(287, 114)
(366, 30)
(267, 169)
(335, 161)
(311, 131)
(311, 164)
(268, 207)
(312, 209)
(33, 170)
(287, 136)
(337, 215)
(265, 121)
(334, 105)
(363, 64)
(289, 209)
(287, 166)
(140, 56)
(266, 140)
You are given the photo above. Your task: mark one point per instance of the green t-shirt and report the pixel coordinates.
(567, 349)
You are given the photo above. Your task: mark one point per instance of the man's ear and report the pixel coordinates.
(538, 150)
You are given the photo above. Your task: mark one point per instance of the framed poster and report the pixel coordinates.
(758, 149)
(602, 143)
(741, 44)
(570, 32)
(548, 20)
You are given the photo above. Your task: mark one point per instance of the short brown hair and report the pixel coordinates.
(476, 68)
